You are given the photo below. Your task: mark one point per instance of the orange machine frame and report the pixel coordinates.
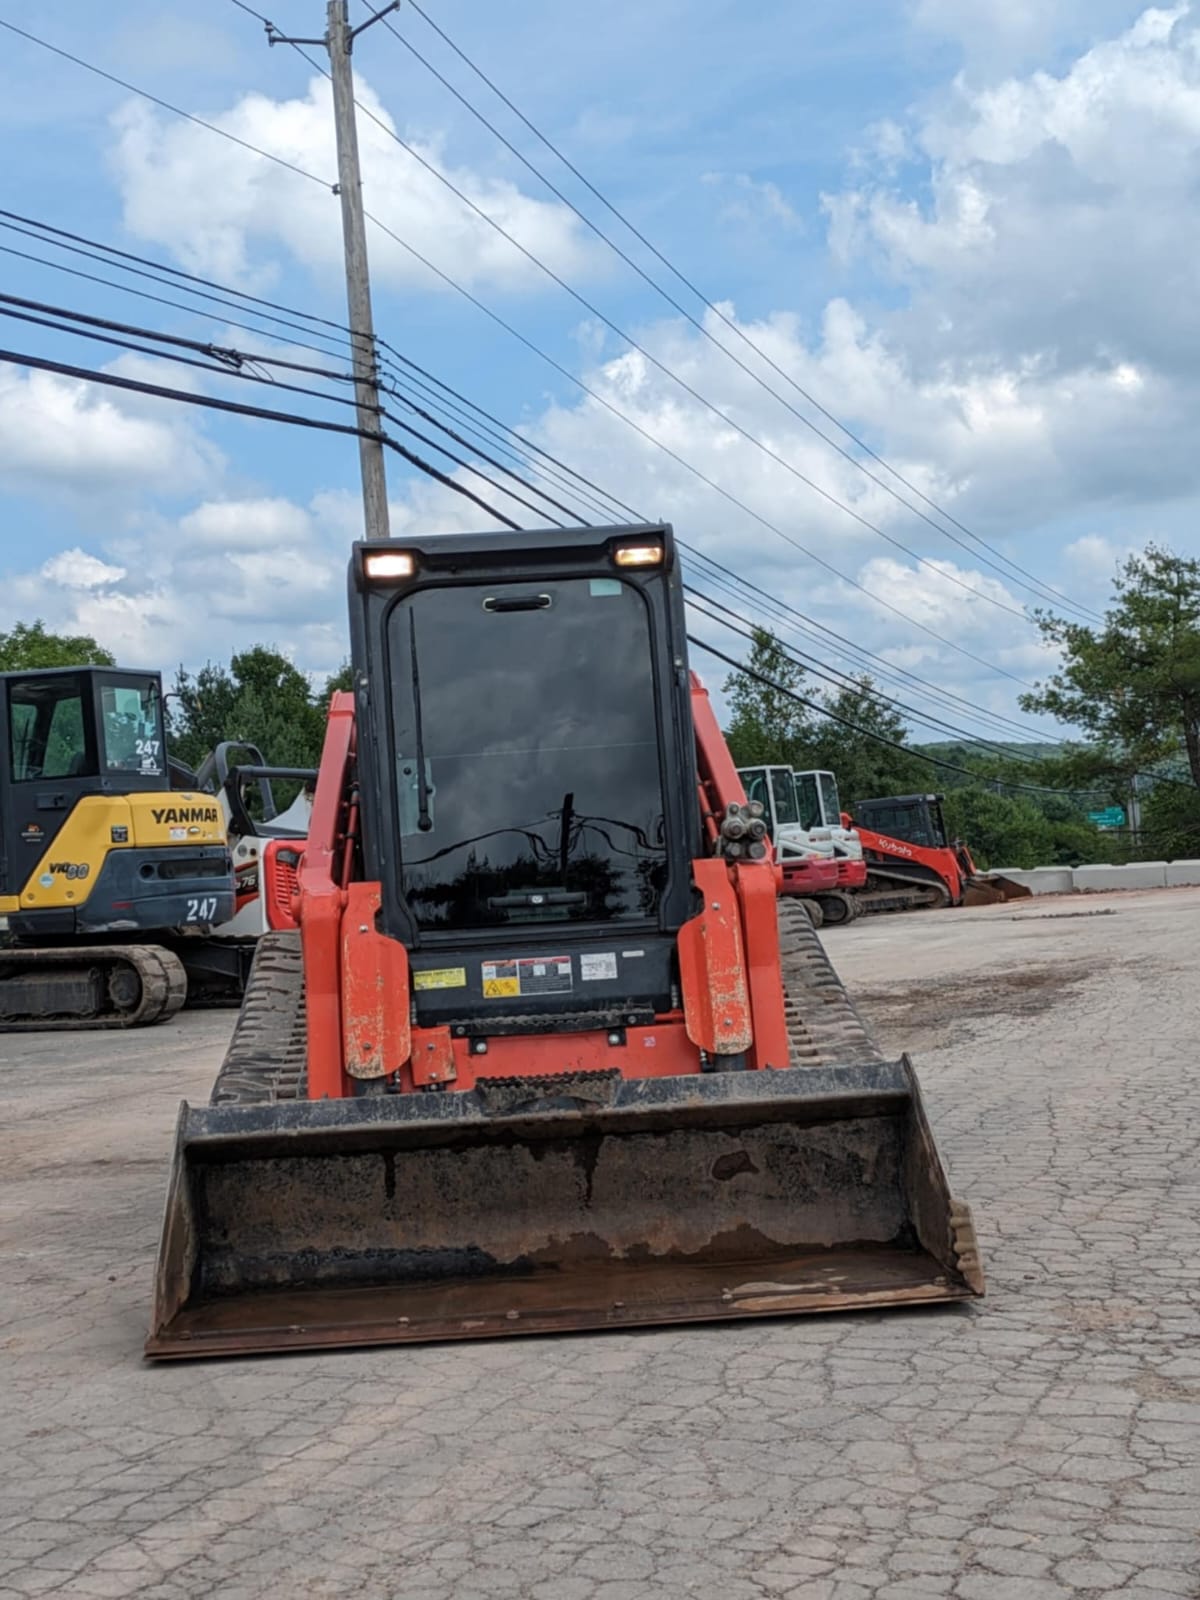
(952, 863)
(357, 984)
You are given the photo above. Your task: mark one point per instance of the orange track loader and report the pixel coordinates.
(546, 1049)
(912, 862)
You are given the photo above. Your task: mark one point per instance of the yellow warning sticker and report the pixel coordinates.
(500, 988)
(441, 978)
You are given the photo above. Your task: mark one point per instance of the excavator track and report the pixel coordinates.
(267, 1057)
(88, 987)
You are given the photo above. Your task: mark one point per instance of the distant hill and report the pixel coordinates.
(956, 750)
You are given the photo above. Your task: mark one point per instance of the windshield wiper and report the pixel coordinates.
(424, 820)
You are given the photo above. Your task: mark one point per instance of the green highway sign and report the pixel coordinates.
(1110, 817)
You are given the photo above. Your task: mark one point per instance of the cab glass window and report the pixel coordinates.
(784, 790)
(131, 726)
(47, 729)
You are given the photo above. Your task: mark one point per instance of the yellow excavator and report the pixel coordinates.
(111, 880)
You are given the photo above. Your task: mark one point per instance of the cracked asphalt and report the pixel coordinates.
(1044, 1443)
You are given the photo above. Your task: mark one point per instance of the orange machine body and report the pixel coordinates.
(952, 864)
(358, 985)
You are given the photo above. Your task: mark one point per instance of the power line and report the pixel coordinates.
(564, 474)
(789, 616)
(223, 371)
(841, 680)
(166, 105)
(878, 738)
(112, 380)
(339, 328)
(1043, 589)
(417, 255)
(97, 255)
(221, 353)
(688, 388)
(877, 665)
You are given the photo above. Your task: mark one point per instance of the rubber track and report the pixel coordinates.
(267, 1056)
(163, 980)
(824, 1027)
(895, 891)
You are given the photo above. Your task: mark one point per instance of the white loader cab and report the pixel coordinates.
(820, 812)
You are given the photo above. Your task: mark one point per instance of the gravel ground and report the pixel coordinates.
(1042, 1443)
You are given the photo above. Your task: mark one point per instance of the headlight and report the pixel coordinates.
(389, 564)
(639, 555)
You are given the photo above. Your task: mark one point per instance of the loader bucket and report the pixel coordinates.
(994, 890)
(593, 1202)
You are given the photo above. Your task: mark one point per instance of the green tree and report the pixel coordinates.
(260, 699)
(1132, 685)
(1000, 830)
(342, 679)
(30, 646)
(767, 724)
(857, 741)
(856, 744)
(1171, 823)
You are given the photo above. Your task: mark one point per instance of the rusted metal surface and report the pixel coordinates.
(376, 1035)
(712, 966)
(436, 1216)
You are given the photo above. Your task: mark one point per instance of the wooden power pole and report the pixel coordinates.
(339, 42)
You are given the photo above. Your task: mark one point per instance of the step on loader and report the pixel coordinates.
(542, 1047)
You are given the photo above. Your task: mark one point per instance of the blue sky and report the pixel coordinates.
(965, 227)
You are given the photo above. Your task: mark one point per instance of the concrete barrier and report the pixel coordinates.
(1051, 880)
(1038, 880)
(1182, 872)
(1137, 875)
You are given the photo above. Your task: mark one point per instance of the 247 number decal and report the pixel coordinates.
(203, 909)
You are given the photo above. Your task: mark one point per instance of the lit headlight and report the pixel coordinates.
(389, 563)
(638, 555)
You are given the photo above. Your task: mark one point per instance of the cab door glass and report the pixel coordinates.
(47, 730)
(784, 789)
(131, 728)
(808, 800)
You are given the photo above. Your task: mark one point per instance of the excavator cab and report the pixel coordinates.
(547, 1050)
(104, 865)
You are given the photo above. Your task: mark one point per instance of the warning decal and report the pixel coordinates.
(441, 978)
(526, 976)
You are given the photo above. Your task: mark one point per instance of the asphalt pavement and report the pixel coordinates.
(1042, 1443)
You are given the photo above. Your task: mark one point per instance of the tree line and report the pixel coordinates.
(1130, 684)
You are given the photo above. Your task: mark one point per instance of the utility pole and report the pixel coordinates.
(339, 42)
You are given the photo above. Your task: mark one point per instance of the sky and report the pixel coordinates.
(965, 231)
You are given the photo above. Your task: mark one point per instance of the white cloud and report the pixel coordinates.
(244, 525)
(996, 34)
(752, 200)
(61, 435)
(228, 573)
(226, 211)
(77, 569)
(1060, 223)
